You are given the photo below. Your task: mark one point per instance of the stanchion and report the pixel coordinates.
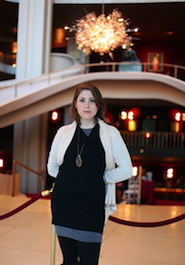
(53, 245)
(111, 218)
(139, 189)
(13, 173)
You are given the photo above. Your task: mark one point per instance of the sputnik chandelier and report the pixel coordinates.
(102, 34)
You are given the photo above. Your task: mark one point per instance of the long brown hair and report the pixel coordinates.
(98, 100)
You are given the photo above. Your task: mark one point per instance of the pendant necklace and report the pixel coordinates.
(79, 151)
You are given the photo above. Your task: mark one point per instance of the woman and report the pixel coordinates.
(82, 159)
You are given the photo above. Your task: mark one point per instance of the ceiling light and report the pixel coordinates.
(102, 34)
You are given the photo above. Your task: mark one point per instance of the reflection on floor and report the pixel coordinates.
(25, 237)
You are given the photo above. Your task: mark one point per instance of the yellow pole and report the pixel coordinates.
(53, 239)
(139, 192)
(53, 245)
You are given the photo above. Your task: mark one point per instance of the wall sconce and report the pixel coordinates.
(123, 115)
(147, 135)
(132, 126)
(130, 115)
(55, 115)
(135, 171)
(170, 173)
(1, 162)
(130, 118)
(177, 116)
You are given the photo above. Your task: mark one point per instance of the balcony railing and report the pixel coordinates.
(163, 141)
(15, 88)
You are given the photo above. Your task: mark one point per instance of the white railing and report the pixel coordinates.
(12, 89)
(15, 89)
(156, 140)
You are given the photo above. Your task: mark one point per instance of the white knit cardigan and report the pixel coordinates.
(115, 152)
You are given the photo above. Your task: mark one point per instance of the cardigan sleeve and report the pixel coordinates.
(52, 165)
(122, 159)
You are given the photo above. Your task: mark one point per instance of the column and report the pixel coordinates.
(33, 56)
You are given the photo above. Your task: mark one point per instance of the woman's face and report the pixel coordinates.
(86, 106)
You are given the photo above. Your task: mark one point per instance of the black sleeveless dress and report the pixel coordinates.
(79, 193)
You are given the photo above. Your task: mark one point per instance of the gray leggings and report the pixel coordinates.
(75, 252)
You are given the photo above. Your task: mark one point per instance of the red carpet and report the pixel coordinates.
(158, 201)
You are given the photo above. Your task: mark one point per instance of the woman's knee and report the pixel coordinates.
(89, 253)
(69, 250)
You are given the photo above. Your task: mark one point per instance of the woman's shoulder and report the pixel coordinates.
(109, 127)
(66, 128)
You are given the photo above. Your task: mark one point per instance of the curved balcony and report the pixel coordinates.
(34, 96)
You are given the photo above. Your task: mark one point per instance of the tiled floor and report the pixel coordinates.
(25, 238)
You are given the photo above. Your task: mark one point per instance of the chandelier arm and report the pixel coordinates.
(103, 8)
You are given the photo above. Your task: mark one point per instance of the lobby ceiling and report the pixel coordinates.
(158, 22)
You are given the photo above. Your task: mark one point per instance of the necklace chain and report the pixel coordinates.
(79, 151)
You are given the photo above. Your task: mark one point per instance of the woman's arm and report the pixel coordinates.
(52, 165)
(122, 159)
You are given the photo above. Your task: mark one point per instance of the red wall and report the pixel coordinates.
(173, 54)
